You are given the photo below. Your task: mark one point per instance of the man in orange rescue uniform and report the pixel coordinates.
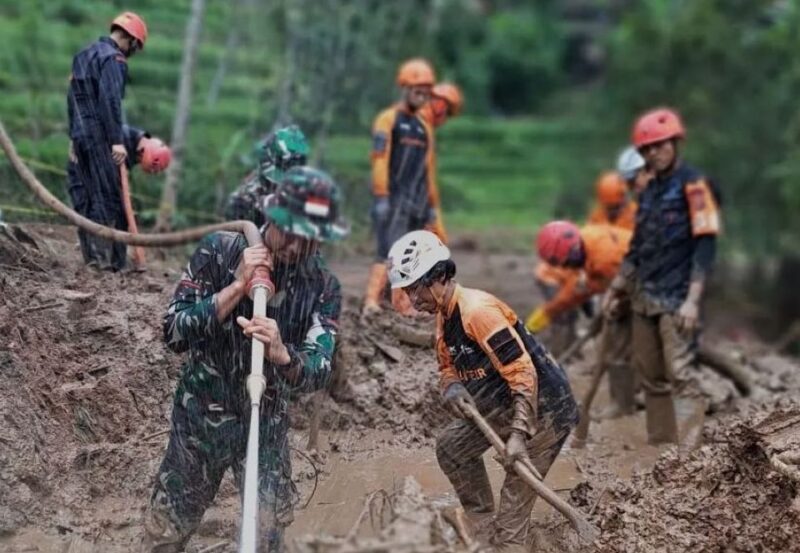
(488, 359)
(597, 252)
(403, 175)
(613, 206)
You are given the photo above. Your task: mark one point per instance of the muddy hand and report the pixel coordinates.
(252, 258)
(454, 395)
(119, 153)
(266, 331)
(515, 450)
(688, 316)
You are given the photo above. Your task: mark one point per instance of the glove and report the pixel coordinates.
(538, 320)
(453, 395)
(380, 208)
(516, 449)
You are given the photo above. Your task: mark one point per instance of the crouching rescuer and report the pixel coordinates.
(488, 359)
(210, 318)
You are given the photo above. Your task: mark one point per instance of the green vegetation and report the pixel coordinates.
(537, 130)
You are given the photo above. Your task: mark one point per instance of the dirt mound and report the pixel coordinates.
(86, 383)
(726, 496)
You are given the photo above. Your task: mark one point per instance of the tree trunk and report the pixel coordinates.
(231, 43)
(181, 122)
(292, 15)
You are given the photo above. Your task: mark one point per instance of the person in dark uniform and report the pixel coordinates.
(97, 134)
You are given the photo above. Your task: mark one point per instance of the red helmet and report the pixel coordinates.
(558, 242)
(416, 72)
(154, 155)
(656, 126)
(131, 24)
(611, 189)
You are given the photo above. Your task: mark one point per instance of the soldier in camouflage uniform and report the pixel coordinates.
(209, 318)
(278, 152)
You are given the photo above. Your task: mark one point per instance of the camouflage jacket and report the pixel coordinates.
(306, 306)
(247, 201)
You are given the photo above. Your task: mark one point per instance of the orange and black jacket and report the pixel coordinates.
(626, 218)
(481, 343)
(403, 161)
(604, 247)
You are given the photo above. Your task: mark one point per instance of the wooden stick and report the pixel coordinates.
(528, 472)
(43, 306)
(138, 251)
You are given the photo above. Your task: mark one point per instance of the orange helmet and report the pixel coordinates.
(656, 126)
(452, 95)
(131, 24)
(154, 155)
(611, 189)
(416, 72)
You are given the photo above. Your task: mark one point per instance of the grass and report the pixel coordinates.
(493, 173)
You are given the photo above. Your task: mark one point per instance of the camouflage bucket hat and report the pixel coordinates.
(307, 204)
(284, 148)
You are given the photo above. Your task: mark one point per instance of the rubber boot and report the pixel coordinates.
(692, 414)
(376, 283)
(661, 424)
(622, 388)
(402, 303)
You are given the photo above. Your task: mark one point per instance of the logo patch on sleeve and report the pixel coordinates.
(505, 346)
(379, 142)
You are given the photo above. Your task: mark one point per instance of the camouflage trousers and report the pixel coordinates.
(460, 449)
(202, 446)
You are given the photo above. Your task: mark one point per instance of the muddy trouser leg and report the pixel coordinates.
(100, 176)
(277, 494)
(680, 357)
(513, 519)
(615, 347)
(459, 450)
(185, 486)
(79, 197)
(649, 359)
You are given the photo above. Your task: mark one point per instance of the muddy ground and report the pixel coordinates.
(86, 387)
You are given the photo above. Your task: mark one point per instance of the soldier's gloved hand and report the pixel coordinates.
(252, 258)
(516, 449)
(119, 153)
(380, 208)
(266, 331)
(453, 395)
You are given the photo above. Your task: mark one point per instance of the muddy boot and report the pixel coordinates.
(661, 425)
(622, 388)
(376, 283)
(692, 414)
(160, 534)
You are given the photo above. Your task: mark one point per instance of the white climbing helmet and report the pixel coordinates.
(413, 255)
(630, 161)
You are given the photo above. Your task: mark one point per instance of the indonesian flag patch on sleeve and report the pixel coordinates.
(317, 207)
